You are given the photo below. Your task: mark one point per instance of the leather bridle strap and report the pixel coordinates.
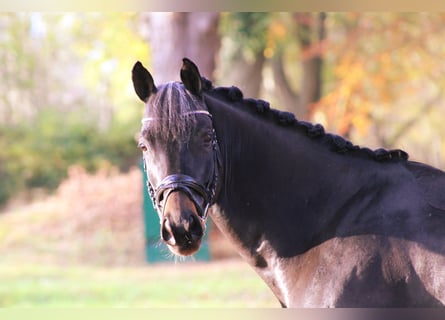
(182, 182)
(205, 112)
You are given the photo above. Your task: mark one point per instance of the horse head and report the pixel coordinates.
(179, 148)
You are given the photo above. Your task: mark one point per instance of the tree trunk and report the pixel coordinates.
(311, 64)
(311, 58)
(176, 35)
(289, 99)
(245, 73)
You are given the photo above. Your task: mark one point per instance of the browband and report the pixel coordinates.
(146, 119)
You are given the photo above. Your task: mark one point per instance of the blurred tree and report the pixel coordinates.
(388, 86)
(242, 58)
(61, 106)
(20, 69)
(308, 32)
(111, 44)
(175, 35)
(288, 45)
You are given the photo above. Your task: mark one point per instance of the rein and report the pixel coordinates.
(185, 183)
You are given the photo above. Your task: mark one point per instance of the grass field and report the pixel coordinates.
(84, 247)
(193, 284)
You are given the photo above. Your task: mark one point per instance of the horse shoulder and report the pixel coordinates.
(430, 269)
(360, 271)
(321, 276)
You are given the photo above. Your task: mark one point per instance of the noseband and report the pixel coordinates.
(185, 183)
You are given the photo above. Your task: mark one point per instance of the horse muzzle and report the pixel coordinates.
(182, 229)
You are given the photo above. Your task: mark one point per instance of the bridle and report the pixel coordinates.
(185, 183)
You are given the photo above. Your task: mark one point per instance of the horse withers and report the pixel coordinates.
(324, 222)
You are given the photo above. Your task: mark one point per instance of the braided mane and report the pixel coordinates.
(337, 143)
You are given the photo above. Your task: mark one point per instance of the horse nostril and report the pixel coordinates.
(195, 227)
(192, 222)
(167, 233)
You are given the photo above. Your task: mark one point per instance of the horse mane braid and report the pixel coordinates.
(314, 131)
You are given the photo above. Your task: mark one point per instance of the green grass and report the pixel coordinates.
(226, 284)
(84, 248)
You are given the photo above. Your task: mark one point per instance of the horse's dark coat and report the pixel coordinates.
(324, 222)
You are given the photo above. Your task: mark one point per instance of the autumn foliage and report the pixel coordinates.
(387, 83)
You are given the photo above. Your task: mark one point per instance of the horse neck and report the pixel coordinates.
(271, 175)
(281, 186)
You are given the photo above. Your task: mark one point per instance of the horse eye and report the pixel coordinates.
(142, 146)
(207, 138)
(161, 197)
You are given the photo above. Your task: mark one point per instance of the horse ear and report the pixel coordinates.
(190, 77)
(142, 81)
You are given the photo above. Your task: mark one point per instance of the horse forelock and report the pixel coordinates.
(169, 111)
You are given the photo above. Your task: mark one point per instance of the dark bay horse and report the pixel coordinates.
(324, 223)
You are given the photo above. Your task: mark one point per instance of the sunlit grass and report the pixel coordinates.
(228, 284)
(84, 247)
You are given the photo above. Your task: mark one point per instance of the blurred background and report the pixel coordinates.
(71, 187)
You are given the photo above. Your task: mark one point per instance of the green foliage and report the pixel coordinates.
(247, 29)
(37, 155)
(51, 64)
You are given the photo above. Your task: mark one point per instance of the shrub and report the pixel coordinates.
(37, 155)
